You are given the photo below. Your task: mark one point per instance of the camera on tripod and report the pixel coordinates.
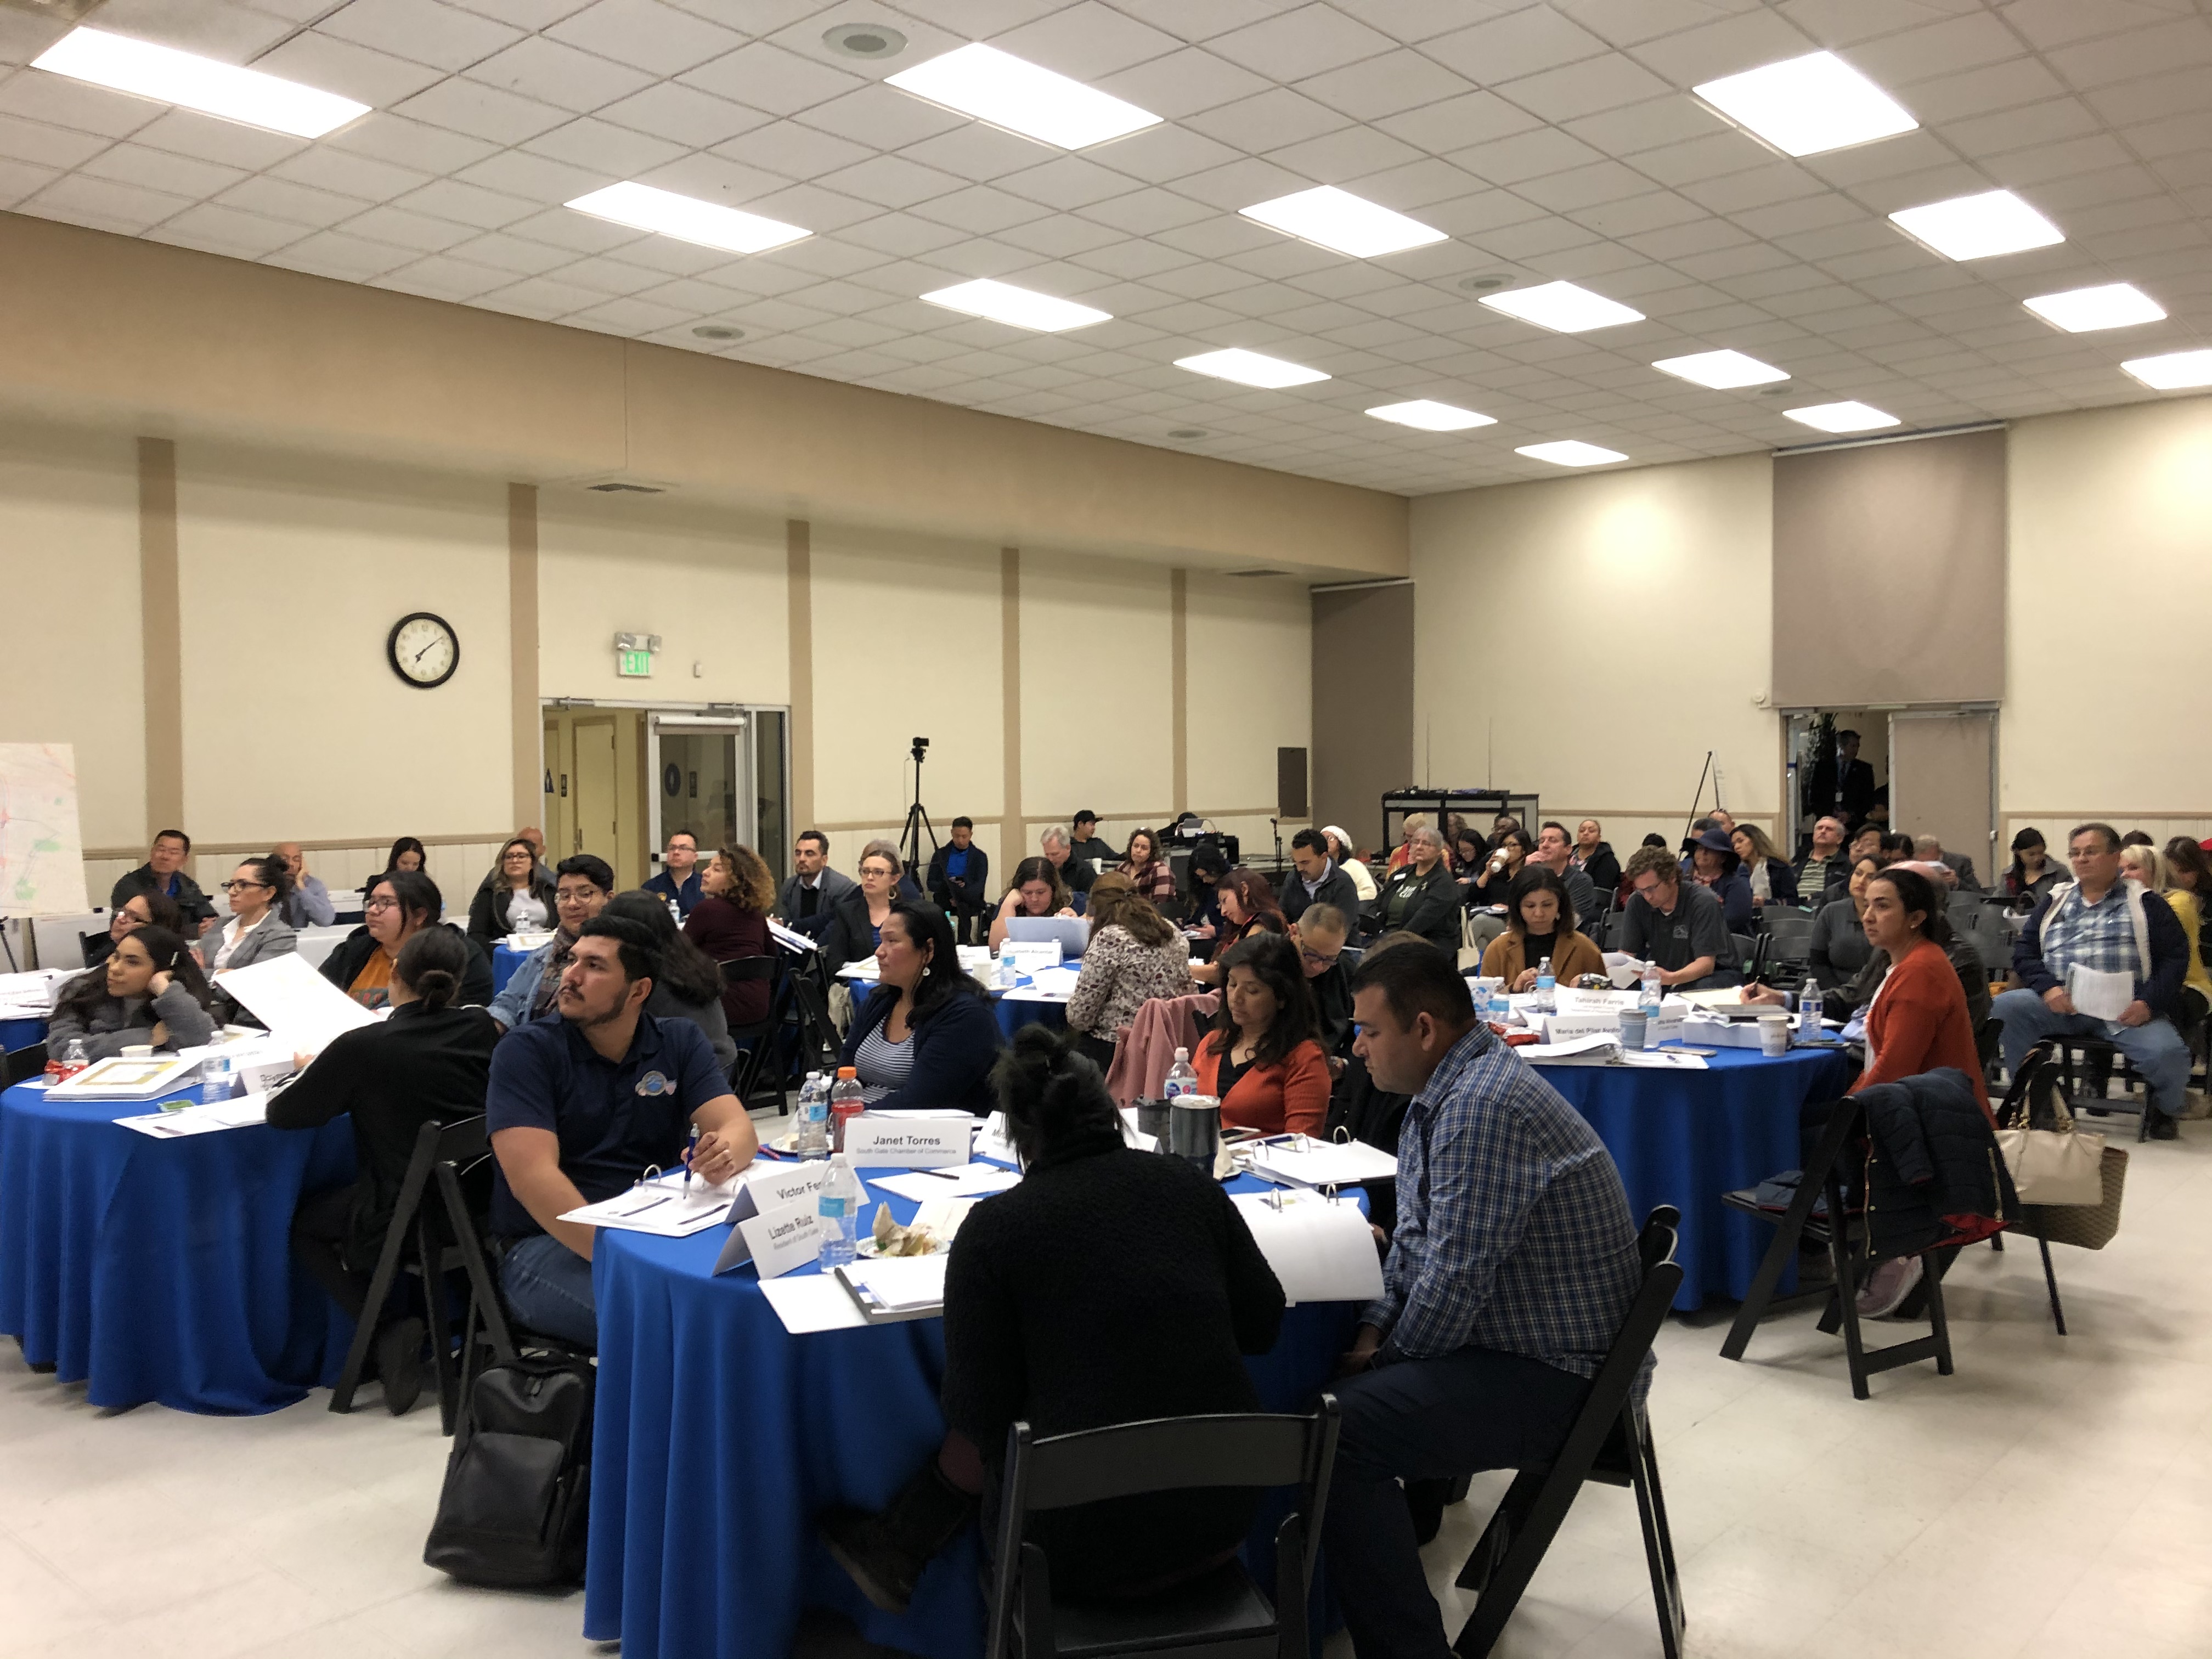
(920, 744)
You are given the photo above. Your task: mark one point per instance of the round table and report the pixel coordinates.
(1685, 1138)
(505, 959)
(161, 1270)
(719, 1436)
(21, 1034)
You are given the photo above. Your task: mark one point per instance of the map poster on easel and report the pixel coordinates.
(42, 850)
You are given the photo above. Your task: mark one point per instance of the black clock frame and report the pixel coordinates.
(392, 650)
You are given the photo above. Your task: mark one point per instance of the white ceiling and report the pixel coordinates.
(1549, 140)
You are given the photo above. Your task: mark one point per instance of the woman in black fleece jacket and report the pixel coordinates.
(1037, 1329)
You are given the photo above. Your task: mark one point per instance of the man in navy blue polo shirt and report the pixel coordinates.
(580, 1107)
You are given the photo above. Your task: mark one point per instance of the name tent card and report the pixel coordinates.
(906, 1143)
(775, 1241)
(766, 1187)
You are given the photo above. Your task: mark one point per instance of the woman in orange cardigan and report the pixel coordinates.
(1264, 1064)
(1917, 1021)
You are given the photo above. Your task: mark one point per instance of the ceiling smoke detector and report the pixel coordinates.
(1187, 433)
(1483, 284)
(873, 41)
(719, 332)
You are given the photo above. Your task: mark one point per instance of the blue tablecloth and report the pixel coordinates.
(161, 1270)
(21, 1033)
(719, 1435)
(505, 959)
(1685, 1138)
(1013, 1012)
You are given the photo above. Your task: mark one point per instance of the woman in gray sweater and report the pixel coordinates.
(150, 992)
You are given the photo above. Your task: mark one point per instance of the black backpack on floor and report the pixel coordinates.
(518, 1484)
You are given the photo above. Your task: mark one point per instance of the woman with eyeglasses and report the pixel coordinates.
(518, 899)
(856, 923)
(255, 932)
(400, 903)
(142, 909)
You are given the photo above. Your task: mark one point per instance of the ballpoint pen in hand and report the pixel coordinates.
(689, 1147)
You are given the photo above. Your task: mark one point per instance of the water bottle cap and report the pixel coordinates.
(1183, 1054)
(845, 1072)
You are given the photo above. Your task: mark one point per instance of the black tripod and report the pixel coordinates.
(917, 818)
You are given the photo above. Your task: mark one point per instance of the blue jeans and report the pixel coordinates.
(2156, 1049)
(1424, 1420)
(548, 1288)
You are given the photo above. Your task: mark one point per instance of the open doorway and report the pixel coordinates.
(1929, 771)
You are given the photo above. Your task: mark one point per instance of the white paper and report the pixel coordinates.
(657, 1210)
(2099, 995)
(1326, 1164)
(960, 1114)
(874, 1142)
(1047, 985)
(767, 1186)
(126, 1077)
(302, 1009)
(811, 1302)
(1589, 1022)
(976, 1180)
(170, 1126)
(776, 1241)
(30, 995)
(1322, 1250)
(1585, 1049)
(790, 937)
(1623, 970)
(902, 1282)
(1660, 1059)
(992, 1143)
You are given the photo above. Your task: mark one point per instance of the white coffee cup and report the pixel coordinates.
(1773, 1034)
(137, 1051)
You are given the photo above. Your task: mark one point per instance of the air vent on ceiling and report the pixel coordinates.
(1255, 573)
(615, 487)
(864, 41)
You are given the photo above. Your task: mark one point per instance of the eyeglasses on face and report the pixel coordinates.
(242, 887)
(382, 904)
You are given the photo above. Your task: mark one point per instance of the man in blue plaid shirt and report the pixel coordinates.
(1513, 1265)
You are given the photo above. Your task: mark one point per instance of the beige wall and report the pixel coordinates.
(291, 573)
(1251, 692)
(1097, 689)
(2107, 608)
(710, 584)
(1589, 639)
(68, 584)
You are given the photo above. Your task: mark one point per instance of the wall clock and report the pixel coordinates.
(423, 649)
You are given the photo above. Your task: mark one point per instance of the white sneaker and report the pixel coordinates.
(1889, 1284)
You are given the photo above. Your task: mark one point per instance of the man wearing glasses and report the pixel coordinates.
(1674, 923)
(582, 886)
(1319, 933)
(163, 872)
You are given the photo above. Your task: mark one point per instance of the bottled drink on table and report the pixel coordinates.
(1547, 989)
(812, 1138)
(1009, 972)
(845, 1105)
(73, 1059)
(1182, 1077)
(839, 1207)
(1809, 1009)
(1651, 985)
(214, 1078)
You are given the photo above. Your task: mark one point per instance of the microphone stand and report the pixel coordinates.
(1699, 796)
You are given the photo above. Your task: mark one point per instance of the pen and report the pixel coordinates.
(689, 1147)
(625, 1214)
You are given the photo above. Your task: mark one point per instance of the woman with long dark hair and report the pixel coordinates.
(929, 1035)
(399, 904)
(729, 922)
(1248, 907)
(518, 899)
(256, 929)
(428, 1062)
(1539, 924)
(2033, 872)
(1036, 890)
(1264, 1062)
(407, 853)
(1917, 1020)
(1135, 954)
(143, 909)
(1033, 1332)
(690, 983)
(1147, 867)
(151, 993)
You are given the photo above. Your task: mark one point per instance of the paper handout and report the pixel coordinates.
(1325, 1162)
(2099, 995)
(1322, 1249)
(652, 1208)
(302, 1009)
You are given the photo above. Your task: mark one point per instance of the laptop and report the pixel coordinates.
(1073, 933)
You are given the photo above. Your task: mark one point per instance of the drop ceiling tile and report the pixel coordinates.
(443, 36)
(1753, 187)
(980, 210)
(515, 254)
(769, 77)
(402, 229)
(542, 296)
(358, 176)
(1182, 83)
(276, 198)
(631, 317)
(1587, 186)
(882, 117)
(1162, 155)
(892, 181)
(334, 254)
(442, 278)
(2118, 58)
(481, 111)
(216, 230)
(1584, 88)
(1059, 237)
(159, 170)
(791, 149)
(467, 204)
(561, 75)
(1275, 118)
(906, 235)
(604, 275)
(1389, 84)
(645, 35)
(579, 233)
(1524, 155)
(1522, 43)
(1338, 158)
(1300, 43)
(1478, 212)
(1535, 239)
(229, 34)
(360, 73)
(35, 95)
(1087, 40)
(683, 115)
(2151, 98)
(407, 143)
(536, 178)
(46, 145)
(1634, 214)
(1475, 117)
(523, 13)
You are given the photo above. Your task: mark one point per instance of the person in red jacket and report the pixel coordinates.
(1265, 1063)
(1917, 1021)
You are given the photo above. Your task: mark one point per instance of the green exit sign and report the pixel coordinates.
(636, 665)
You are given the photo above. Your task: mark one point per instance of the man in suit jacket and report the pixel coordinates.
(1318, 880)
(811, 893)
(1845, 786)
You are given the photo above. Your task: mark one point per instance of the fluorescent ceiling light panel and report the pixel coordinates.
(1340, 221)
(2083, 310)
(1250, 368)
(186, 79)
(1977, 227)
(1804, 106)
(1002, 302)
(1431, 416)
(1008, 92)
(1842, 417)
(1570, 452)
(2172, 371)
(687, 219)
(1563, 306)
(1721, 370)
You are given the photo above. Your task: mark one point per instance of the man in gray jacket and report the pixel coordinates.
(808, 897)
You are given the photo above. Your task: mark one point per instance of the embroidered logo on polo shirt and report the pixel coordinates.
(654, 1084)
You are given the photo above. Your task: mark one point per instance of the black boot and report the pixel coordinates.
(885, 1554)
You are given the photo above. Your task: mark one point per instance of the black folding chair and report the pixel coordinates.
(764, 1034)
(2086, 1067)
(27, 1061)
(414, 1243)
(1610, 1442)
(1823, 1178)
(1222, 1615)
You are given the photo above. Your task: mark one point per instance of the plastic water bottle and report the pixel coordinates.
(1809, 1009)
(812, 1138)
(1009, 972)
(73, 1059)
(845, 1105)
(1182, 1077)
(839, 1207)
(1547, 989)
(214, 1078)
(675, 914)
(1500, 1009)
(1650, 998)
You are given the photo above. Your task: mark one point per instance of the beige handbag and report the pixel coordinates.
(2056, 1166)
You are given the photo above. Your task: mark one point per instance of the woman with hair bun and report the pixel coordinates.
(428, 1063)
(1035, 1332)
